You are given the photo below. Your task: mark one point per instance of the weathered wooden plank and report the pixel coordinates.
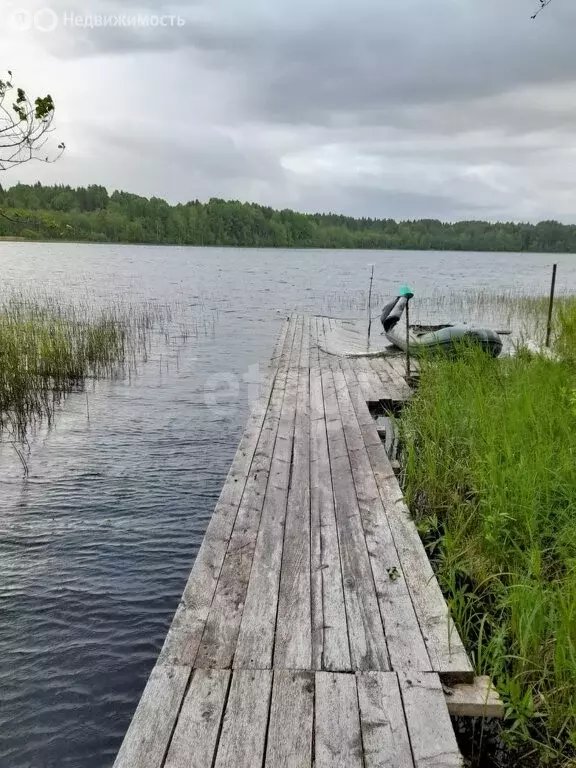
(479, 699)
(377, 390)
(183, 638)
(293, 646)
(365, 631)
(220, 635)
(196, 735)
(351, 374)
(384, 732)
(320, 487)
(445, 649)
(394, 384)
(429, 726)
(365, 418)
(257, 631)
(350, 337)
(149, 734)
(398, 363)
(338, 740)
(325, 332)
(365, 388)
(233, 488)
(330, 647)
(352, 437)
(381, 369)
(244, 728)
(323, 356)
(404, 639)
(398, 366)
(290, 732)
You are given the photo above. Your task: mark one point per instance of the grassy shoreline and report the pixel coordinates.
(490, 476)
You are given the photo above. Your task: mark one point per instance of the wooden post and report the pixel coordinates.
(407, 339)
(370, 306)
(551, 306)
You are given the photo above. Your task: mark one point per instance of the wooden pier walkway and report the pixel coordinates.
(312, 631)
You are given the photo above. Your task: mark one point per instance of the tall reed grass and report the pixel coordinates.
(49, 348)
(490, 475)
(521, 313)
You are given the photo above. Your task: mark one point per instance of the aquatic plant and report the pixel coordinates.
(49, 348)
(521, 313)
(490, 475)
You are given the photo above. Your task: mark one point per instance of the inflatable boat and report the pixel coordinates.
(445, 338)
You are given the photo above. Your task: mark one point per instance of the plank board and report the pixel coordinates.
(365, 631)
(431, 734)
(257, 631)
(404, 639)
(479, 699)
(243, 736)
(150, 731)
(220, 636)
(320, 495)
(365, 418)
(330, 647)
(290, 733)
(377, 390)
(184, 636)
(293, 647)
(338, 739)
(196, 735)
(384, 732)
(350, 337)
(395, 387)
(445, 649)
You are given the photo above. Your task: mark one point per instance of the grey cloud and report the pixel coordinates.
(204, 152)
(306, 62)
(375, 202)
(451, 109)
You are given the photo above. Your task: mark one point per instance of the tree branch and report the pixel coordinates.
(25, 126)
(543, 4)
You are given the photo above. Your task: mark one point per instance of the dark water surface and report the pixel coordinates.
(97, 543)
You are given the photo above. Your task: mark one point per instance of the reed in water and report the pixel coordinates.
(49, 348)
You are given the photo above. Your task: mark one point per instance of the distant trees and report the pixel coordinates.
(91, 214)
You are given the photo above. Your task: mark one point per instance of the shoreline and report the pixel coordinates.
(46, 241)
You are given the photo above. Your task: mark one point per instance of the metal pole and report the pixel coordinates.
(551, 307)
(370, 306)
(408, 339)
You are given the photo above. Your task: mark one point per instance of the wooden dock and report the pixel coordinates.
(312, 631)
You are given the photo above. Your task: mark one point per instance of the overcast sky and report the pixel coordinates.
(416, 108)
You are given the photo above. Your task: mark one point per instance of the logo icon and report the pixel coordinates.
(42, 20)
(21, 20)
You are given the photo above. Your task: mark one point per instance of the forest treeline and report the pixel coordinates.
(91, 214)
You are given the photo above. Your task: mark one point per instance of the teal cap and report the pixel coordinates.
(406, 292)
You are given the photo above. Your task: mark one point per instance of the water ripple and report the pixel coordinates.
(96, 545)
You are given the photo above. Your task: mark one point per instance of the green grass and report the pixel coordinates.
(49, 348)
(490, 475)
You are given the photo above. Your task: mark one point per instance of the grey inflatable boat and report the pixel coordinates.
(445, 338)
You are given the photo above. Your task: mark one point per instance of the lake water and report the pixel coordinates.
(97, 543)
